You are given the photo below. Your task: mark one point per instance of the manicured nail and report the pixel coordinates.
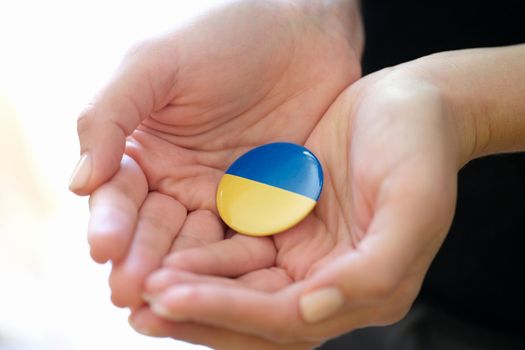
(162, 312)
(318, 305)
(144, 331)
(81, 174)
(140, 328)
(147, 298)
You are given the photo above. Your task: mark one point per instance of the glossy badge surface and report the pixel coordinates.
(269, 189)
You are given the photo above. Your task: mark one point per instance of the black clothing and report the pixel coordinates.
(403, 30)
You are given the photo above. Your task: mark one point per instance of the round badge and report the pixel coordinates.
(269, 189)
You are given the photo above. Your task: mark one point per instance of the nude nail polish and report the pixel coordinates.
(320, 304)
(81, 174)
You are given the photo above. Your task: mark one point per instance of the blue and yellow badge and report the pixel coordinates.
(269, 189)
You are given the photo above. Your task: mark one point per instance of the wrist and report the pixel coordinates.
(347, 14)
(483, 91)
(340, 17)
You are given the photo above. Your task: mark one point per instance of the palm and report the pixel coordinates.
(242, 83)
(244, 75)
(361, 165)
(329, 231)
(372, 218)
(189, 175)
(223, 103)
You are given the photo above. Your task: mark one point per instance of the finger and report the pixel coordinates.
(231, 257)
(201, 228)
(163, 279)
(411, 217)
(145, 322)
(267, 280)
(160, 219)
(114, 208)
(140, 86)
(274, 316)
(236, 308)
(357, 280)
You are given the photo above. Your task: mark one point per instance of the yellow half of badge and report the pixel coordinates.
(257, 209)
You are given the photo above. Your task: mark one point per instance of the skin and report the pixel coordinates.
(383, 215)
(390, 145)
(364, 221)
(192, 103)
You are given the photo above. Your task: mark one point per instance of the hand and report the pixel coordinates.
(390, 152)
(243, 74)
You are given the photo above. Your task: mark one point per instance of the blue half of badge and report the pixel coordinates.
(269, 189)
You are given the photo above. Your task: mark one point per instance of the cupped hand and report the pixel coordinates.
(390, 153)
(183, 106)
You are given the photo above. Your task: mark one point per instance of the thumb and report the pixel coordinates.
(129, 97)
(409, 224)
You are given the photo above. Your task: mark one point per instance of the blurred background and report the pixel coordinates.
(54, 55)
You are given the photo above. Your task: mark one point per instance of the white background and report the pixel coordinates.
(54, 55)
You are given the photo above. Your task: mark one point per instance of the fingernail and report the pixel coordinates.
(162, 312)
(147, 298)
(318, 305)
(81, 174)
(140, 328)
(144, 331)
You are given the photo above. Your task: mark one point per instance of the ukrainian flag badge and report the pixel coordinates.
(270, 189)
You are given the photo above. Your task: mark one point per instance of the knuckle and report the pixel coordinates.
(85, 119)
(204, 214)
(180, 261)
(190, 296)
(173, 261)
